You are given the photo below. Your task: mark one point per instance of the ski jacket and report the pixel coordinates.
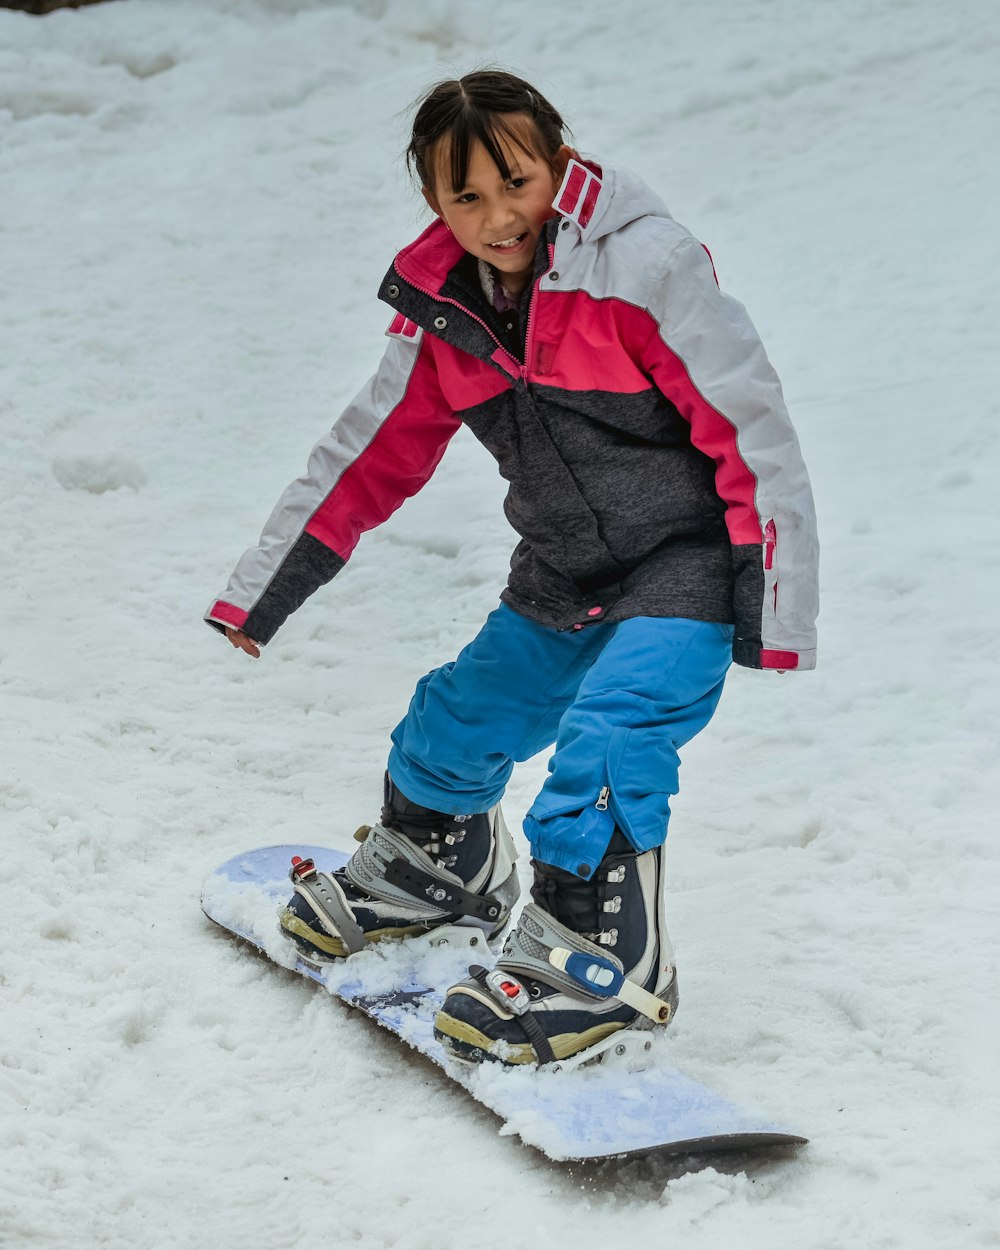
(652, 466)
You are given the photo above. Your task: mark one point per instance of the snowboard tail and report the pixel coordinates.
(585, 1114)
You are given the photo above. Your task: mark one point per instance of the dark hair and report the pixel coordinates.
(474, 108)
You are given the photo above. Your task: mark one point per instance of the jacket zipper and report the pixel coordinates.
(602, 799)
(446, 299)
(535, 288)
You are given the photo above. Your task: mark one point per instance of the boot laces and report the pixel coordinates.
(435, 832)
(432, 844)
(582, 905)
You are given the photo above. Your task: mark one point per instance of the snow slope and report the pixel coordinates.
(198, 201)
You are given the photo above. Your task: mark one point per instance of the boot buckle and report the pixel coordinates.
(301, 869)
(508, 992)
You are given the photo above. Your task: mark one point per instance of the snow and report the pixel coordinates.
(199, 199)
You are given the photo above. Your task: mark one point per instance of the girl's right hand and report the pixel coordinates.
(242, 642)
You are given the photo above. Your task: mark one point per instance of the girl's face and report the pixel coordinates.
(495, 219)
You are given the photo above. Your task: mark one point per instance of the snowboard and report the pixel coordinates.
(593, 1112)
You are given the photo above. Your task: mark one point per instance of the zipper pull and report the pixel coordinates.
(602, 799)
(770, 542)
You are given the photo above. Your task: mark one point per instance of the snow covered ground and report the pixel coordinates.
(197, 200)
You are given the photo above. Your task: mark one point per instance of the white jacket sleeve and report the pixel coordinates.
(381, 451)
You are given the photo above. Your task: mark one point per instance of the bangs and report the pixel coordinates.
(489, 106)
(496, 132)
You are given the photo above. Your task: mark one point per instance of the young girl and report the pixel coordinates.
(556, 309)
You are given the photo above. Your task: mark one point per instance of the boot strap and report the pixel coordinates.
(389, 867)
(325, 896)
(542, 948)
(517, 1006)
(600, 976)
(424, 887)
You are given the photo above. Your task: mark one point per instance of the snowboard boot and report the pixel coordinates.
(587, 959)
(416, 869)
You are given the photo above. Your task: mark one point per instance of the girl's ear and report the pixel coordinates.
(562, 158)
(432, 201)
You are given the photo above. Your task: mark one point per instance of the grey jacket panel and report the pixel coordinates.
(616, 509)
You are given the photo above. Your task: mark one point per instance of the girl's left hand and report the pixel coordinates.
(243, 642)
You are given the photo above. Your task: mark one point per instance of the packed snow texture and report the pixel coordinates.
(199, 198)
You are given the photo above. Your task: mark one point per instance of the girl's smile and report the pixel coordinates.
(509, 244)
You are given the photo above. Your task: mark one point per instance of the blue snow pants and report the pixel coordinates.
(618, 701)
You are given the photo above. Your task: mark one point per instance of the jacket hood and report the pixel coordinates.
(598, 199)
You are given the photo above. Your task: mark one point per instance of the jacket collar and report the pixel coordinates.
(429, 259)
(577, 197)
